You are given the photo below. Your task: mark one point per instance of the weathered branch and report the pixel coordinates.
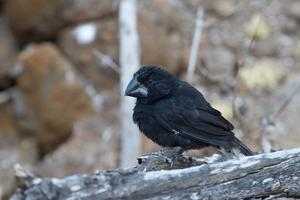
(129, 62)
(195, 44)
(260, 176)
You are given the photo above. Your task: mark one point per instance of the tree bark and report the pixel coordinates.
(261, 176)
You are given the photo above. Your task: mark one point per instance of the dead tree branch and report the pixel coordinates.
(270, 121)
(195, 44)
(261, 176)
(129, 63)
(106, 60)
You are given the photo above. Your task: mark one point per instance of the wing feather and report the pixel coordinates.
(197, 123)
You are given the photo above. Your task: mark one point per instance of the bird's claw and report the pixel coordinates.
(169, 161)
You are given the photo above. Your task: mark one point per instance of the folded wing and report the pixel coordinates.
(197, 122)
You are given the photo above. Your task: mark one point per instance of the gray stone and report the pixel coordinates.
(219, 62)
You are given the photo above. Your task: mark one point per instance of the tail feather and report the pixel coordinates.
(242, 147)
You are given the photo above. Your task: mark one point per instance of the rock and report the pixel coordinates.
(41, 19)
(7, 55)
(219, 62)
(292, 9)
(85, 10)
(7, 123)
(165, 38)
(91, 45)
(290, 26)
(165, 51)
(34, 19)
(93, 146)
(266, 47)
(13, 151)
(223, 8)
(87, 46)
(166, 35)
(52, 95)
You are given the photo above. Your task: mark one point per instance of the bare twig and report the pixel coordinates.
(287, 101)
(239, 65)
(106, 60)
(195, 44)
(249, 45)
(268, 122)
(129, 62)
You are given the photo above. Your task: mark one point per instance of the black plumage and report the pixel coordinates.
(173, 113)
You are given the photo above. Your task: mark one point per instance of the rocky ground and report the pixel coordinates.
(59, 75)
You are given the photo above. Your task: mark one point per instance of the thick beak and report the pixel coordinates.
(136, 89)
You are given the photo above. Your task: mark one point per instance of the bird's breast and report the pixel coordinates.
(143, 116)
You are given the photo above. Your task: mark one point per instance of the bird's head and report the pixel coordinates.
(151, 83)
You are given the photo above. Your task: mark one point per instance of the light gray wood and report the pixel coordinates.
(262, 176)
(129, 63)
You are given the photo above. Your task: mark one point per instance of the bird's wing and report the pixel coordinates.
(197, 122)
(192, 100)
(213, 117)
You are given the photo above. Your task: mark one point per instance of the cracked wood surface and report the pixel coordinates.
(269, 175)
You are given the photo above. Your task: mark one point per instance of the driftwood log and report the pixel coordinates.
(161, 176)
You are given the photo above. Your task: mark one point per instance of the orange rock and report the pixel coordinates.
(53, 95)
(8, 54)
(93, 146)
(34, 19)
(85, 51)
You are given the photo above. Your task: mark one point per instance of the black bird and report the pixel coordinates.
(172, 113)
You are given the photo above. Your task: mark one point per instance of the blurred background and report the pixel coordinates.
(59, 75)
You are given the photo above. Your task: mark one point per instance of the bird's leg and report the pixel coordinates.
(170, 154)
(226, 154)
(178, 151)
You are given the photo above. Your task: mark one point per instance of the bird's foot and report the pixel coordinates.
(169, 161)
(228, 154)
(170, 155)
(170, 151)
